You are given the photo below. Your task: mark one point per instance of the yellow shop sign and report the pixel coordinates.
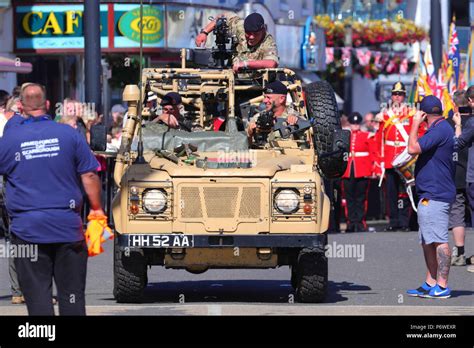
(129, 25)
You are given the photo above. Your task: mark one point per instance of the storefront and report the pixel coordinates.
(50, 36)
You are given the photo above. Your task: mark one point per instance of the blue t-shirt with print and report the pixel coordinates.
(42, 162)
(14, 121)
(435, 167)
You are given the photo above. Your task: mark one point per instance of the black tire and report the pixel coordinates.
(130, 275)
(322, 107)
(311, 275)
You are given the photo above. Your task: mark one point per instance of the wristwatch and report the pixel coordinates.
(204, 32)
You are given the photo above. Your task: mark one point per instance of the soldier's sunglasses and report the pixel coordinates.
(398, 93)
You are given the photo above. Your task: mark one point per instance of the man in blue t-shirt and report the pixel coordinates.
(434, 176)
(44, 164)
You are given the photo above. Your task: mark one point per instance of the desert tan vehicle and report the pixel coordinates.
(213, 199)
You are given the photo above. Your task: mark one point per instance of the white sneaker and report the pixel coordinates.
(457, 260)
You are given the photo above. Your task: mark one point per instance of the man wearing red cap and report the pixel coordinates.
(392, 139)
(256, 48)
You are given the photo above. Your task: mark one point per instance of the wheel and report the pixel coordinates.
(328, 135)
(311, 275)
(130, 275)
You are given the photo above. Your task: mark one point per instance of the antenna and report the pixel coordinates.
(140, 159)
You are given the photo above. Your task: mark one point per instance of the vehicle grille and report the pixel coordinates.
(220, 202)
(190, 202)
(250, 206)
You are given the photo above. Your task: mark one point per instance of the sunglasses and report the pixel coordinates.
(398, 93)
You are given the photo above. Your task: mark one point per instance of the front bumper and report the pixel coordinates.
(241, 241)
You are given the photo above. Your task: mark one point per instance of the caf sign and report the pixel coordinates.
(47, 23)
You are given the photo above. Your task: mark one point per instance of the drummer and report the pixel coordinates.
(434, 177)
(392, 139)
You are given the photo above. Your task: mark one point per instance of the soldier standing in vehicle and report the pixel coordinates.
(256, 48)
(392, 139)
(275, 102)
(355, 180)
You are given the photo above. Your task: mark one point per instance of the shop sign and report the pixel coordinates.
(130, 25)
(54, 27)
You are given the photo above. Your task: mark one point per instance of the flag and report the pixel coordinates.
(448, 103)
(428, 69)
(412, 98)
(454, 58)
(428, 62)
(470, 62)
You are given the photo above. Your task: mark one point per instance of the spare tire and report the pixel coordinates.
(330, 141)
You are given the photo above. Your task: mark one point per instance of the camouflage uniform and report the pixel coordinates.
(266, 49)
(288, 112)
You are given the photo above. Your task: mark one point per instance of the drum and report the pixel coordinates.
(404, 164)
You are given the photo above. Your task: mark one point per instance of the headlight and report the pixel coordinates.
(154, 201)
(287, 201)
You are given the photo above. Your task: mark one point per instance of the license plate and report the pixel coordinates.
(161, 241)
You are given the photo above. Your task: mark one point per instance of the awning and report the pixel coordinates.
(11, 65)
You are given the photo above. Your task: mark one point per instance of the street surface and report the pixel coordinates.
(373, 282)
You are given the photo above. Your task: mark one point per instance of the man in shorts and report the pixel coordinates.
(434, 177)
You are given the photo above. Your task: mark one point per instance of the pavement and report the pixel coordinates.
(370, 278)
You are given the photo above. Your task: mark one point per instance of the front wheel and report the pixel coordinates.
(130, 274)
(311, 275)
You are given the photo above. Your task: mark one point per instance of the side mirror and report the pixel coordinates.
(98, 137)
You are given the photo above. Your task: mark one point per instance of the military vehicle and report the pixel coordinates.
(211, 198)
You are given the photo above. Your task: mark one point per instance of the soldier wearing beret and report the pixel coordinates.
(171, 116)
(256, 48)
(275, 100)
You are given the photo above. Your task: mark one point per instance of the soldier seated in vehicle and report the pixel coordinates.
(275, 102)
(171, 114)
(256, 48)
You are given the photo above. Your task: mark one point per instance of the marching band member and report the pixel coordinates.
(392, 139)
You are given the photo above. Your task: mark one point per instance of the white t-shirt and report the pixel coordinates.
(3, 122)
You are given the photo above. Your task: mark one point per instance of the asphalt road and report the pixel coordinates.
(373, 281)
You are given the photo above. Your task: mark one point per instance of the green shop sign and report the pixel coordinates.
(129, 24)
